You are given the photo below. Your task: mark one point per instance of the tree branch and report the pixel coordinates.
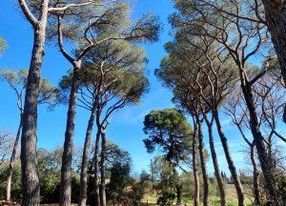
(28, 14)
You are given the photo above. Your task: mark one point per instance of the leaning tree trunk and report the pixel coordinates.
(65, 196)
(195, 169)
(256, 191)
(85, 158)
(96, 160)
(231, 166)
(265, 160)
(102, 169)
(12, 161)
(203, 165)
(220, 183)
(30, 178)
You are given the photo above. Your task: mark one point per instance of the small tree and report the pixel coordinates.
(48, 94)
(169, 132)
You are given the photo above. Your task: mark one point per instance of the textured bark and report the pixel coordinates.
(85, 158)
(219, 180)
(65, 196)
(203, 165)
(102, 169)
(264, 159)
(12, 160)
(256, 191)
(195, 169)
(275, 14)
(231, 166)
(30, 178)
(96, 180)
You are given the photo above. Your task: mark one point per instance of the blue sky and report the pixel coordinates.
(126, 126)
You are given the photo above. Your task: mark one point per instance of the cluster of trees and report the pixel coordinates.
(107, 74)
(226, 58)
(222, 60)
(118, 172)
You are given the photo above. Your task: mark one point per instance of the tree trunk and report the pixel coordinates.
(96, 180)
(30, 178)
(12, 160)
(275, 14)
(256, 191)
(231, 166)
(85, 159)
(219, 180)
(102, 168)
(203, 165)
(265, 160)
(195, 170)
(179, 194)
(65, 198)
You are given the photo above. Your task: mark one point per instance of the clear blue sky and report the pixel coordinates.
(126, 125)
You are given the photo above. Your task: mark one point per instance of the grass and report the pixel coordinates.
(231, 199)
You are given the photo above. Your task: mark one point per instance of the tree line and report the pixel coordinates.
(226, 58)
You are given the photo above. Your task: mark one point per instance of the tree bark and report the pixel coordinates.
(265, 160)
(102, 168)
(219, 180)
(203, 165)
(96, 179)
(65, 197)
(256, 191)
(179, 194)
(30, 178)
(85, 158)
(195, 170)
(12, 160)
(231, 166)
(275, 14)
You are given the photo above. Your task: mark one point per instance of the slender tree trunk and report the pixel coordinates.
(195, 169)
(265, 160)
(65, 198)
(12, 160)
(203, 165)
(219, 180)
(231, 166)
(30, 178)
(179, 194)
(96, 158)
(256, 191)
(85, 158)
(102, 168)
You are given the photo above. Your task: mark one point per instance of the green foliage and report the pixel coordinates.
(140, 188)
(169, 131)
(16, 179)
(113, 70)
(49, 167)
(48, 93)
(282, 187)
(167, 185)
(115, 154)
(3, 45)
(99, 22)
(116, 189)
